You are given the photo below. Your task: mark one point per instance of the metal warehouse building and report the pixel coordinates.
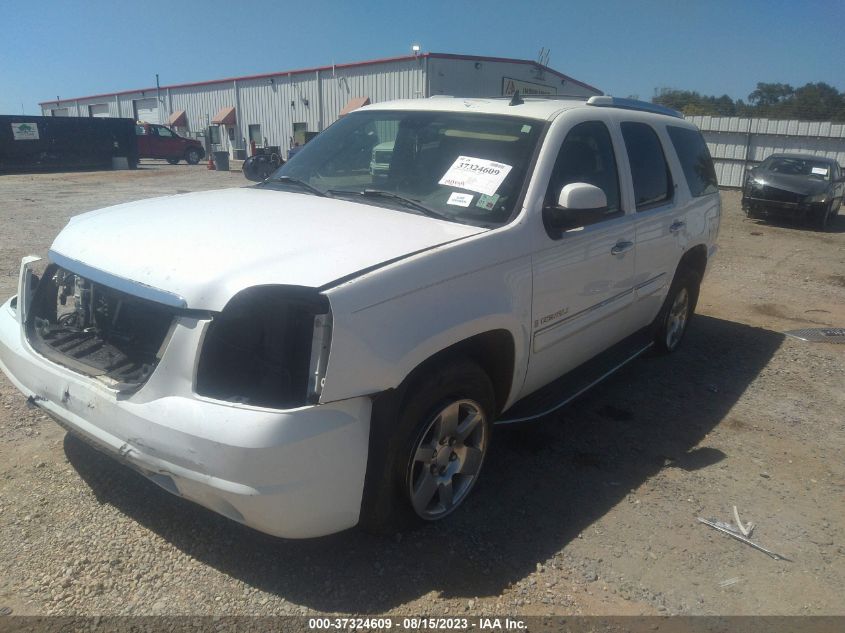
(284, 108)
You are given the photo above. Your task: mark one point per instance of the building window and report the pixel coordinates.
(255, 134)
(214, 134)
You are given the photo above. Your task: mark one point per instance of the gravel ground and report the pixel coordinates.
(590, 511)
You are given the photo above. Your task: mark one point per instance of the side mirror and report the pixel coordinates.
(578, 204)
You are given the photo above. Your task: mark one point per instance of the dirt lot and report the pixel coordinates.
(590, 511)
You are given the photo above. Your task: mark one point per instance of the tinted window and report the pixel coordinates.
(649, 171)
(586, 156)
(163, 131)
(695, 160)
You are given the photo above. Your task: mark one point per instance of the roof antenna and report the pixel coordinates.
(516, 99)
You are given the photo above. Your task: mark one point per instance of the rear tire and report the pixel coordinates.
(673, 319)
(192, 156)
(425, 459)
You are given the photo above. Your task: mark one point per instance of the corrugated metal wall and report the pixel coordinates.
(736, 143)
(471, 78)
(393, 80)
(316, 97)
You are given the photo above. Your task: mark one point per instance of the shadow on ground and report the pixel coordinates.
(835, 224)
(543, 484)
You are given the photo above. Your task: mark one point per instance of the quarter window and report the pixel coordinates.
(587, 156)
(695, 160)
(649, 170)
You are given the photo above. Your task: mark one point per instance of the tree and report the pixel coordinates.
(770, 94)
(810, 102)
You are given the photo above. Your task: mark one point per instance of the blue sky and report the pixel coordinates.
(73, 49)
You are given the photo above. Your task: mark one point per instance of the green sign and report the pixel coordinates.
(25, 131)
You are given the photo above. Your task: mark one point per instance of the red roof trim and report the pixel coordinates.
(300, 71)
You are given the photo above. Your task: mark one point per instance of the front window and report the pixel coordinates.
(465, 167)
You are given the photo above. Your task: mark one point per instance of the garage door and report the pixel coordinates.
(98, 110)
(146, 110)
(60, 112)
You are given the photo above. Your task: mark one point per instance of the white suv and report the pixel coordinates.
(333, 347)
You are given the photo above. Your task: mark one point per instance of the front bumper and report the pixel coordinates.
(780, 206)
(294, 474)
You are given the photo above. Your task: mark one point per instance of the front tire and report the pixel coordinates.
(673, 320)
(427, 459)
(821, 219)
(192, 156)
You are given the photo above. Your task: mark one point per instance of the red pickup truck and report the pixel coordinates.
(158, 141)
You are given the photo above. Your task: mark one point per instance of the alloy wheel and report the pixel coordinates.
(676, 321)
(447, 459)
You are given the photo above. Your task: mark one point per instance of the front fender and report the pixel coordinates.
(393, 320)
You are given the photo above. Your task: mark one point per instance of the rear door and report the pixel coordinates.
(583, 277)
(659, 215)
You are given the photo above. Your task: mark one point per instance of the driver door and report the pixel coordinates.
(583, 276)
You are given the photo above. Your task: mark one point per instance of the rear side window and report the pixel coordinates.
(695, 160)
(649, 170)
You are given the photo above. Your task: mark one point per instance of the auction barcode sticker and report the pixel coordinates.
(476, 174)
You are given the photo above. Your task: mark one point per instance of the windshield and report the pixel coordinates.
(798, 167)
(460, 166)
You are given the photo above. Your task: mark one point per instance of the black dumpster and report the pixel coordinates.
(42, 143)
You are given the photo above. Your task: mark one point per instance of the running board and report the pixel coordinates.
(572, 384)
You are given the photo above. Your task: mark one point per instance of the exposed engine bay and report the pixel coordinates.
(97, 330)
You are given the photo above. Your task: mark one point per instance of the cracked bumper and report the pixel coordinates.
(294, 474)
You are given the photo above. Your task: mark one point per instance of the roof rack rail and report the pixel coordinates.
(632, 104)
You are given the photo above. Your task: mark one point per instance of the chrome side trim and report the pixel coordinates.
(648, 281)
(122, 284)
(592, 308)
(569, 399)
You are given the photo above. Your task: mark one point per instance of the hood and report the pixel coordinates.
(802, 185)
(205, 247)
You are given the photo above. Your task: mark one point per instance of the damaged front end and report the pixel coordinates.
(268, 347)
(97, 330)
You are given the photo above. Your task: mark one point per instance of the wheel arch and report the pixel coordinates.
(695, 259)
(494, 351)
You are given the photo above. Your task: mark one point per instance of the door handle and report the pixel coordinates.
(676, 226)
(621, 247)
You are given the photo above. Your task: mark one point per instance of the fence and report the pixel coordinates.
(737, 143)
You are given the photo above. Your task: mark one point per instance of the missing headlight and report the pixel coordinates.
(258, 350)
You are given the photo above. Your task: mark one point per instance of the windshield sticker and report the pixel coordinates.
(487, 202)
(476, 174)
(821, 171)
(526, 129)
(460, 199)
